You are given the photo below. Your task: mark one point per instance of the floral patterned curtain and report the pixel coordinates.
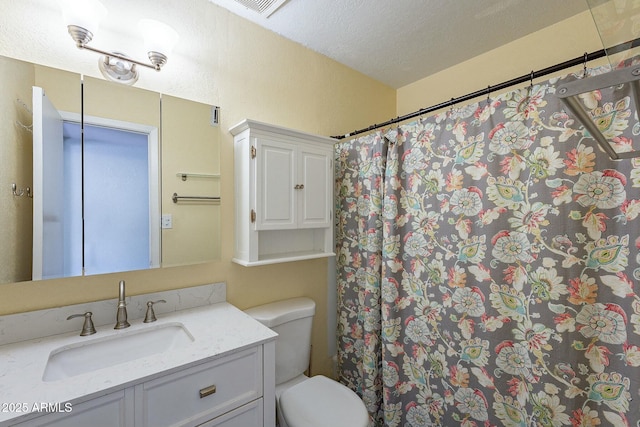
(488, 266)
(359, 182)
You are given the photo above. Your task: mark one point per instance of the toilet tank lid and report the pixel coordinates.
(279, 312)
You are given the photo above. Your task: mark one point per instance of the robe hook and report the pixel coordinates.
(21, 192)
(16, 192)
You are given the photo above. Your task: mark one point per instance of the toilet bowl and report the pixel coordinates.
(302, 401)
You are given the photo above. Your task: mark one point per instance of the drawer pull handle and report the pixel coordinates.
(207, 391)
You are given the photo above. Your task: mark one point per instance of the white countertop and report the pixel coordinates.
(217, 329)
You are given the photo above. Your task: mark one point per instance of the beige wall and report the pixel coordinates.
(250, 73)
(15, 152)
(190, 144)
(566, 40)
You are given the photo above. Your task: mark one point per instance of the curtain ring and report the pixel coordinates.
(489, 95)
(530, 88)
(586, 58)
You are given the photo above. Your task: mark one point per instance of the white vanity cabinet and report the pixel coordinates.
(226, 392)
(218, 371)
(113, 410)
(284, 194)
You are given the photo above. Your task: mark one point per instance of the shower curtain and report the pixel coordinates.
(488, 265)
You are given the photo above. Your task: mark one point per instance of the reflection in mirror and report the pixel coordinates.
(121, 178)
(15, 134)
(52, 171)
(184, 138)
(191, 169)
(16, 109)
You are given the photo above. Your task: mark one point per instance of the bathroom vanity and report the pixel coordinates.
(211, 365)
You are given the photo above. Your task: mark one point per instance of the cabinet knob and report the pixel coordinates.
(299, 187)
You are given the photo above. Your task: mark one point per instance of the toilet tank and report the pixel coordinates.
(292, 320)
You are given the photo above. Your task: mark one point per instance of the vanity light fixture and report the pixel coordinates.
(83, 17)
(598, 122)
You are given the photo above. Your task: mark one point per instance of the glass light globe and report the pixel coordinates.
(83, 13)
(158, 37)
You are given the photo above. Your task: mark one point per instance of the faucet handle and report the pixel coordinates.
(151, 315)
(87, 327)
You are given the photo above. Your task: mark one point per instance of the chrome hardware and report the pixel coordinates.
(21, 192)
(207, 391)
(87, 327)
(177, 198)
(187, 175)
(121, 315)
(151, 315)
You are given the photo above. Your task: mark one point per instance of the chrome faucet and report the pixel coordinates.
(121, 315)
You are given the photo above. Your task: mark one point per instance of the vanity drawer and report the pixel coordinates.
(249, 415)
(200, 393)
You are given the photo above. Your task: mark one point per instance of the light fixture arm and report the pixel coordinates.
(82, 37)
(156, 67)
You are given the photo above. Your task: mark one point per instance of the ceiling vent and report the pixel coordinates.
(263, 7)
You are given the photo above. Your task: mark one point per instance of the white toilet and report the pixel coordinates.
(302, 401)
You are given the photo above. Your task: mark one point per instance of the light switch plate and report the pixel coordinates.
(167, 221)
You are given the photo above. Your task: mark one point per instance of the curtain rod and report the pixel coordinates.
(500, 86)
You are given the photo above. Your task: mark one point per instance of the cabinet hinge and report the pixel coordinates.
(253, 152)
(253, 215)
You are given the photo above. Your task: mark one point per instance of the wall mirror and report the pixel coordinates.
(140, 190)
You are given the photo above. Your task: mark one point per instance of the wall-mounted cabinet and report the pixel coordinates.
(284, 194)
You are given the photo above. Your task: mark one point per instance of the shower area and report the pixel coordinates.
(488, 259)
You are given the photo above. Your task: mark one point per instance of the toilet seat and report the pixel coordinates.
(322, 402)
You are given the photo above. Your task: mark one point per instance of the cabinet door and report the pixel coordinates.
(315, 195)
(106, 411)
(275, 182)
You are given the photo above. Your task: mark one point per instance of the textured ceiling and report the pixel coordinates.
(398, 42)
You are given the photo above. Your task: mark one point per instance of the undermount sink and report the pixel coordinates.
(97, 353)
